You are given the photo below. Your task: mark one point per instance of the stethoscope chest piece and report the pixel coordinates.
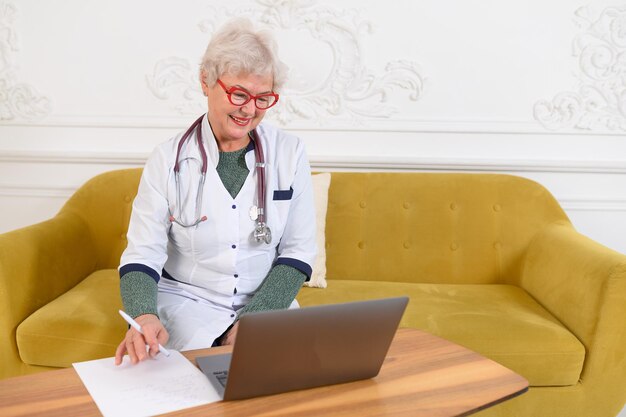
(262, 233)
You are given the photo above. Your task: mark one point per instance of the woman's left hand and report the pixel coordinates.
(230, 336)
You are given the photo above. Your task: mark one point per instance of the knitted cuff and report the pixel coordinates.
(139, 294)
(277, 291)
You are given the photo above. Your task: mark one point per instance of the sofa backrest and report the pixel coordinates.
(104, 203)
(405, 227)
(452, 228)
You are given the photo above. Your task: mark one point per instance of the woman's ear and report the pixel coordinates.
(203, 84)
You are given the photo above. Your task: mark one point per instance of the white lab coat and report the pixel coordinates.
(218, 264)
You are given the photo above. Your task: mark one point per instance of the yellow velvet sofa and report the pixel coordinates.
(489, 261)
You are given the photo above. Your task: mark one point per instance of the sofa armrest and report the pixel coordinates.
(583, 284)
(37, 264)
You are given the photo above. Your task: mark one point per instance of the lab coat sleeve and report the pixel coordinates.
(297, 247)
(149, 221)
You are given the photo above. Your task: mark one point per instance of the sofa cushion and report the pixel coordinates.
(80, 325)
(501, 322)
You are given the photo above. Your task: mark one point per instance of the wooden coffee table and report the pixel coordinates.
(423, 375)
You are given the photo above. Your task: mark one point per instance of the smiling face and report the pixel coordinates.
(231, 123)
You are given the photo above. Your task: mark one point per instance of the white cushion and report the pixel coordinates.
(321, 183)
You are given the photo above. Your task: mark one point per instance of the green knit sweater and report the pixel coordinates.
(277, 291)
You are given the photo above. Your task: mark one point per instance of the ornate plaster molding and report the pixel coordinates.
(17, 100)
(348, 89)
(600, 101)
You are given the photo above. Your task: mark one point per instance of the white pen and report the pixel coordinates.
(137, 327)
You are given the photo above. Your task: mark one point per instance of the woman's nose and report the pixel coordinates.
(249, 108)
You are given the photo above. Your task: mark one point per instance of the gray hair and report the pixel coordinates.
(239, 48)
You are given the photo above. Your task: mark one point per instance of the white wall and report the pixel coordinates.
(534, 88)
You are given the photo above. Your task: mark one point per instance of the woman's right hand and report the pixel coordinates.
(135, 343)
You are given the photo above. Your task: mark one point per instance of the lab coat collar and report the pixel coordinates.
(210, 144)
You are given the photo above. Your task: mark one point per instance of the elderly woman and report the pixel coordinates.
(223, 223)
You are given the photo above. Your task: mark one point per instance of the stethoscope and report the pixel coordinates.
(262, 232)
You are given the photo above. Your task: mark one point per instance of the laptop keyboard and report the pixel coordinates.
(222, 377)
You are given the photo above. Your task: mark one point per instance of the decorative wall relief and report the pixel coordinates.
(600, 101)
(17, 100)
(342, 87)
(177, 76)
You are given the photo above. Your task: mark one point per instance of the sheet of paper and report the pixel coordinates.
(149, 388)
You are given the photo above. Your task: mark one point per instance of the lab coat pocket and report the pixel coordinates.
(169, 286)
(279, 213)
(283, 194)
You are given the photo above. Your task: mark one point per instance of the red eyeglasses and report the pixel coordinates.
(239, 96)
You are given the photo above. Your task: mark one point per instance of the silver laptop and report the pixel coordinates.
(286, 350)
